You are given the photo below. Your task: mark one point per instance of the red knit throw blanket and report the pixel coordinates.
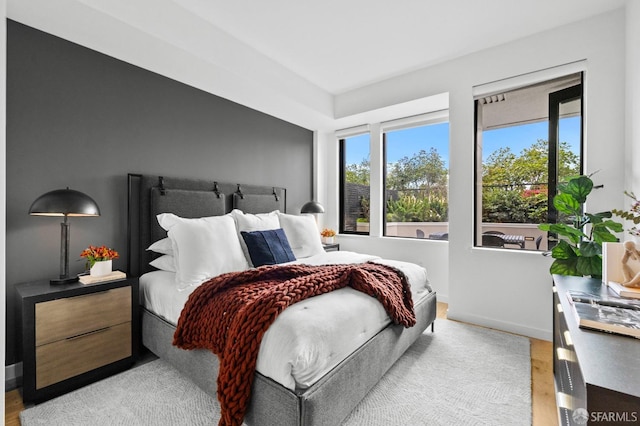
(230, 313)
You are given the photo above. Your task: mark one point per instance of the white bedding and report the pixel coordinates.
(310, 337)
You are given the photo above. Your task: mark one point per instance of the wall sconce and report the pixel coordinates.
(65, 203)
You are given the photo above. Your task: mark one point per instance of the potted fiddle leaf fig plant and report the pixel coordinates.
(579, 248)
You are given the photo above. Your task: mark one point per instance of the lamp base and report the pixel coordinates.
(66, 280)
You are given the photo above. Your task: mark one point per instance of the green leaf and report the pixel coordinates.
(565, 267)
(602, 235)
(590, 266)
(627, 215)
(613, 225)
(544, 226)
(590, 249)
(567, 204)
(563, 250)
(605, 214)
(574, 235)
(594, 218)
(599, 217)
(578, 188)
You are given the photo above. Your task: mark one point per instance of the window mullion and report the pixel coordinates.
(377, 184)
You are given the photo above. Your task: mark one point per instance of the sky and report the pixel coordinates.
(401, 143)
(406, 142)
(521, 137)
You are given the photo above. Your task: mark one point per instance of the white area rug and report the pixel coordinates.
(459, 375)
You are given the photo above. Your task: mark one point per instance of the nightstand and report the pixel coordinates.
(74, 334)
(331, 247)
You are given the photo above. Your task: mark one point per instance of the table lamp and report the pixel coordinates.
(312, 207)
(65, 203)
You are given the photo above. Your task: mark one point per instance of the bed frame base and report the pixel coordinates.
(328, 402)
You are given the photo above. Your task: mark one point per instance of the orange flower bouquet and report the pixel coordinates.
(95, 254)
(328, 233)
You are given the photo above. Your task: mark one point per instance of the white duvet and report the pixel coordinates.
(308, 338)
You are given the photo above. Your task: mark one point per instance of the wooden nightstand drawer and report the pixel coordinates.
(72, 316)
(70, 357)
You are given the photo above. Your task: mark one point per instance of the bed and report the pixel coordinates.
(323, 395)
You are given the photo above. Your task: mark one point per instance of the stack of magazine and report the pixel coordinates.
(606, 313)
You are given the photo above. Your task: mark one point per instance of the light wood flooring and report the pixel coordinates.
(542, 390)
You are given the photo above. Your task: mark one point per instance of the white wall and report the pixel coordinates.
(632, 127)
(509, 290)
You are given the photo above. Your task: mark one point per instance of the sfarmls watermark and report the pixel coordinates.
(582, 416)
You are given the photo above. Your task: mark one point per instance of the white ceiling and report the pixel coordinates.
(306, 62)
(340, 45)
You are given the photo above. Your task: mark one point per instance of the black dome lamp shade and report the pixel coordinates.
(65, 203)
(312, 207)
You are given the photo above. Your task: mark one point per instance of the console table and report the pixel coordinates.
(597, 374)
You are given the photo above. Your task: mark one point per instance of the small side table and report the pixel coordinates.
(74, 334)
(331, 247)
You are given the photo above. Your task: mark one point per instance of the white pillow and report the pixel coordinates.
(164, 263)
(302, 233)
(163, 246)
(203, 248)
(253, 222)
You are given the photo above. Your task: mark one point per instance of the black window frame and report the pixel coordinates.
(578, 90)
(342, 184)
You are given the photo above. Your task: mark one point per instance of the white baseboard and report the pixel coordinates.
(501, 325)
(442, 298)
(12, 376)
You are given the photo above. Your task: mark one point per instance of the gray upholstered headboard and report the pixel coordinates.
(149, 195)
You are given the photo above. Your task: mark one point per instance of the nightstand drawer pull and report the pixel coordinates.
(80, 336)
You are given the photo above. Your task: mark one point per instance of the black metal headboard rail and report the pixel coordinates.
(149, 195)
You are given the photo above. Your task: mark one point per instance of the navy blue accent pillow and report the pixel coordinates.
(268, 247)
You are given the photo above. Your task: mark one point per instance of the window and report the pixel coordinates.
(355, 192)
(416, 179)
(527, 140)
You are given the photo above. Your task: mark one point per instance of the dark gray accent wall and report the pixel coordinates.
(81, 119)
